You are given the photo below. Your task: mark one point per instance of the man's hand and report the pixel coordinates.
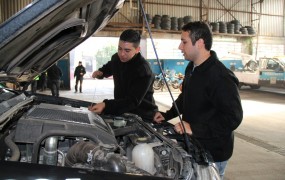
(97, 74)
(179, 129)
(158, 117)
(97, 108)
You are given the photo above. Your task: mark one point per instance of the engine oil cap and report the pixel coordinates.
(141, 140)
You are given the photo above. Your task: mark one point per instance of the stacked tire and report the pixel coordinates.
(165, 22)
(156, 21)
(174, 23)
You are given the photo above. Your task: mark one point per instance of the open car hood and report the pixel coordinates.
(40, 34)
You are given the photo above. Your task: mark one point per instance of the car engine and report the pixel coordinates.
(69, 135)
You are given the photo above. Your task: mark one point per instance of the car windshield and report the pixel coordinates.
(282, 60)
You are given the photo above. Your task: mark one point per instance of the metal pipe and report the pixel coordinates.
(50, 151)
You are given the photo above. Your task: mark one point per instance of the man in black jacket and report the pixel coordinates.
(209, 103)
(54, 74)
(78, 74)
(133, 80)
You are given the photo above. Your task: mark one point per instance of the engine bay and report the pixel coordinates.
(67, 136)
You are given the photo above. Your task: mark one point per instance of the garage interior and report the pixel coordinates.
(253, 27)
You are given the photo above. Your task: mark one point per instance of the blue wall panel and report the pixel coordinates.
(179, 65)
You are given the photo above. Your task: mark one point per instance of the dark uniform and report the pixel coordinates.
(210, 102)
(133, 90)
(54, 74)
(78, 74)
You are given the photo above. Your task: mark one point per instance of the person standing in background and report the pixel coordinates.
(34, 84)
(78, 74)
(209, 102)
(43, 81)
(54, 74)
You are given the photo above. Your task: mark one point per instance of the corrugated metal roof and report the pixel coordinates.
(246, 12)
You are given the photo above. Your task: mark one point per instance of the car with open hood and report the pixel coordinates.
(46, 137)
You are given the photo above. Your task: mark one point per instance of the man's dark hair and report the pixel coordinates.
(131, 36)
(199, 30)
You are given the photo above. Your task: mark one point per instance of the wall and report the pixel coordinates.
(10, 7)
(178, 65)
(266, 18)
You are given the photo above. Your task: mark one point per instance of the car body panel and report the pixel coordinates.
(35, 171)
(43, 32)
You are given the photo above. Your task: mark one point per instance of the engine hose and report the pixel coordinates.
(14, 148)
(78, 153)
(89, 153)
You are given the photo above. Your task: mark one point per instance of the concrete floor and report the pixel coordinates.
(259, 152)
